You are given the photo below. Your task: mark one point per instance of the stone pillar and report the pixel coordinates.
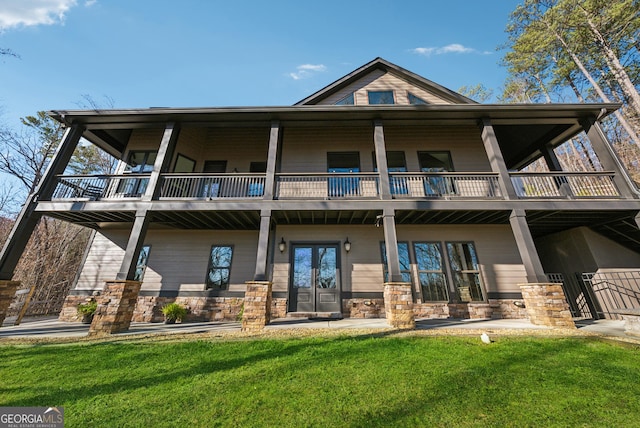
(257, 305)
(7, 293)
(115, 307)
(398, 305)
(546, 305)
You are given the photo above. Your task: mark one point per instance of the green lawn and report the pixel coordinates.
(330, 382)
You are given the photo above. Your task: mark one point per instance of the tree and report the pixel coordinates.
(585, 50)
(477, 92)
(54, 252)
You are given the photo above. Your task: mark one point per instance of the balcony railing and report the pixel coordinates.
(212, 186)
(432, 185)
(586, 185)
(445, 185)
(100, 187)
(326, 186)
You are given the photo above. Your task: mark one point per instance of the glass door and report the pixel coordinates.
(314, 285)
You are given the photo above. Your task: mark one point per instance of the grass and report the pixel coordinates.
(344, 381)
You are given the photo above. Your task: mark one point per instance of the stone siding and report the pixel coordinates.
(278, 307)
(7, 293)
(546, 305)
(257, 305)
(398, 304)
(149, 308)
(115, 307)
(363, 308)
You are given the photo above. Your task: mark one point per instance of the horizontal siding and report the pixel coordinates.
(464, 143)
(379, 80)
(178, 259)
(305, 149)
(103, 259)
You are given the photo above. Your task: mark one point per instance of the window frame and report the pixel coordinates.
(377, 92)
(180, 156)
(210, 268)
(477, 272)
(344, 100)
(141, 268)
(442, 271)
(412, 95)
(385, 264)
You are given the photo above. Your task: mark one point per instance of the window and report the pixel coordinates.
(210, 187)
(184, 164)
(141, 266)
(465, 271)
(380, 97)
(415, 100)
(436, 162)
(346, 101)
(343, 162)
(140, 161)
(405, 262)
(433, 283)
(219, 267)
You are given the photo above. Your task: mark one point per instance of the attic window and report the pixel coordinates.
(349, 100)
(415, 100)
(381, 97)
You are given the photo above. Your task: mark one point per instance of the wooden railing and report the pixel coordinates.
(100, 187)
(212, 186)
(445, 185)
(586, 185)
(326, 186)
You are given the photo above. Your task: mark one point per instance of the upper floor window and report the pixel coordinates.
(184, 164)
(346, 101)
(140, 161)
(381, 97)
(435, 161)
(415, 100)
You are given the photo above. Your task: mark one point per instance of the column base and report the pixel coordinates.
(398, 305)
(7, 293)
(546, 305)
(257, 305)
(115, 307)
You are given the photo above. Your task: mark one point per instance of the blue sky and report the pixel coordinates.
(194, 53)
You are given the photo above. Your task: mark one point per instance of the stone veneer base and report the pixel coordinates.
(257, 305)
(546, 305)
(398, 305)
(115, 307)
(7, 293)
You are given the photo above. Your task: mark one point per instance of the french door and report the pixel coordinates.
(314, 278)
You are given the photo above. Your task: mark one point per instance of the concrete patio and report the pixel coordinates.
(50, 327)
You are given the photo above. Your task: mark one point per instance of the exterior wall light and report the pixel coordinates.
(347, 245)
(282, 245)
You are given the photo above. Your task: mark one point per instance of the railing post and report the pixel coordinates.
(381, 159)
(275, 137)
(163, 160)
(496, 159)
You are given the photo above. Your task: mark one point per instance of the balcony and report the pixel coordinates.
(339, 186)
(574, 185)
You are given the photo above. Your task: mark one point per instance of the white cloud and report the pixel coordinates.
(33, 12)
(306, 70)
(90, 2)
(451, 48)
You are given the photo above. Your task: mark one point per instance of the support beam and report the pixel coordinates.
(275, 137)
(28, 218)
(391, 245)
(526, 247)
(608, 159)
(637, 219)
(381, 159)
(496, 159)
(263, 246)
(553, 163)
(163, 161)
(136, 241)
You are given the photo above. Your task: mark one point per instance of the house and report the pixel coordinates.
(382, 194)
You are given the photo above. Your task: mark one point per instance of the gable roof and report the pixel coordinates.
(387, 67)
